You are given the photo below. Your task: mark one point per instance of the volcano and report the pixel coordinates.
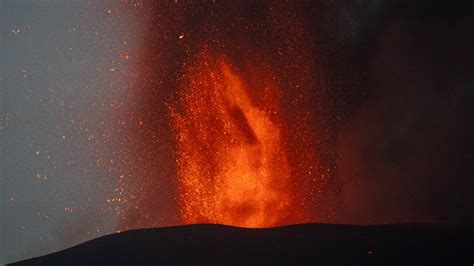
(315, 244)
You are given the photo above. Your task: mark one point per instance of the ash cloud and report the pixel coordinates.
(405, 155)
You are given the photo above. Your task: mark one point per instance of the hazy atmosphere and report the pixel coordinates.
(126, 115)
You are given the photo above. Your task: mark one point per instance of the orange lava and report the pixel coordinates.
(232, 162)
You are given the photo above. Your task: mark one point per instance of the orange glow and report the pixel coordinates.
(232, 161)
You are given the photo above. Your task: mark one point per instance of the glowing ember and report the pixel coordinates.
(232, 163)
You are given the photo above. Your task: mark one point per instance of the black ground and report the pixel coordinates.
(316, 244)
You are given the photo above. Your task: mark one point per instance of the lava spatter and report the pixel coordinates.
(232, 163)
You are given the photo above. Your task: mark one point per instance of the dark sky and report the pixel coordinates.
(379, 94)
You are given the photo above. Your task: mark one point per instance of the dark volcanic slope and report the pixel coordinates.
(400, 244)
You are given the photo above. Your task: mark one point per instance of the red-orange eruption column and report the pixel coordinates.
(232, 162)
(227, 120)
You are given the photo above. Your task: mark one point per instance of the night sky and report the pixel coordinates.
(104, 110)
